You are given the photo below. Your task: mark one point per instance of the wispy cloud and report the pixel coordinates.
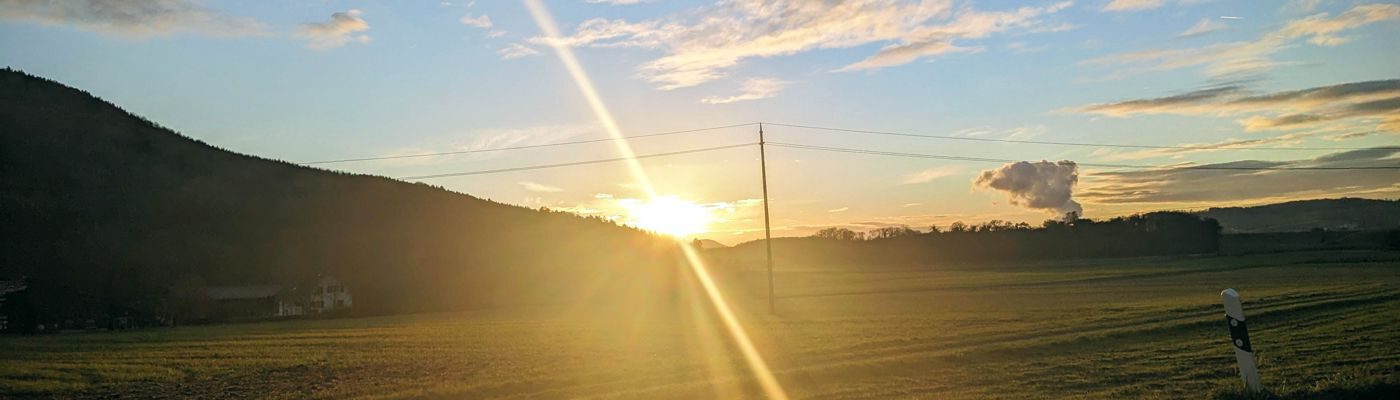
(539, 187)
(1300, 6)
(1203, 27)
(704, 45)
(516, 50)
(132, 18)
(754, 89)
(1197, 185)
(1250, 57)
(1354, 101)
(1026, 132)
(931, 174)
(479, 21)
(1132, 5)
(339, 31)
(618, 2)
(837, 210)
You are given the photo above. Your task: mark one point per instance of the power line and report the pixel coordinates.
(1130, 146)
(650, 135)
(570, 164)
(998, 160)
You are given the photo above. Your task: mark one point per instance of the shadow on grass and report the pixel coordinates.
(1386, 390)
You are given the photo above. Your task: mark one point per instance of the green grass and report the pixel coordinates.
(1325, 325)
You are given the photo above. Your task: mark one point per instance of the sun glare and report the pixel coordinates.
(668, 215)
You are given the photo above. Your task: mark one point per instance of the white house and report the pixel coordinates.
(329, 294)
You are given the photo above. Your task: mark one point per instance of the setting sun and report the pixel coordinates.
(668, 215)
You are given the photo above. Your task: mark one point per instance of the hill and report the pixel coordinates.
(1305, 215)
(107, 212)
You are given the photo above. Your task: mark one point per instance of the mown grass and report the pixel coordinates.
(1324, 325)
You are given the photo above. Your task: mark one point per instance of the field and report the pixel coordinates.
(1323, 324)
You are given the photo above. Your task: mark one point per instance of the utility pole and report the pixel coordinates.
(767, 225)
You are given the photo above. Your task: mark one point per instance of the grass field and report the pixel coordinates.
(1323, 324)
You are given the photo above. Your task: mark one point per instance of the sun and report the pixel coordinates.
(669, 215)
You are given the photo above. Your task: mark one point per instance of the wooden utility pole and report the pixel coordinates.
(767, 225)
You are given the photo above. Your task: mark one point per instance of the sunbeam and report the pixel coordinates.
(765, 378)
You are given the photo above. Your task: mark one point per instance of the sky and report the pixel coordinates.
(1303, 83)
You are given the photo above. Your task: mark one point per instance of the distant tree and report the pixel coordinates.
(933, 229)
(891, 232)
(835, 233)
(957, 227)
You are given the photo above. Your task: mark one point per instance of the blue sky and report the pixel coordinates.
(305, 81)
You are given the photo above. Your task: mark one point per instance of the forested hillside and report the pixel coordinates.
(1305, 215)
(105, 211)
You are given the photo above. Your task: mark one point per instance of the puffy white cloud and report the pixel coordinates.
(1042, 185)
(131, 18)
(754, 89)
(340, 30)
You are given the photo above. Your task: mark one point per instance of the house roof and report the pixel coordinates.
(12, 286)
(242, 292)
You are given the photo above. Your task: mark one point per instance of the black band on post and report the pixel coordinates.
(1239, 334)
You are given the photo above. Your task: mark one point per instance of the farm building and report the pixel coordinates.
(264, 301)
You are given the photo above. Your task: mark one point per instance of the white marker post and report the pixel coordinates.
(1239, 337)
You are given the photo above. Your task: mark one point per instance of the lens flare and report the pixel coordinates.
(763, 375)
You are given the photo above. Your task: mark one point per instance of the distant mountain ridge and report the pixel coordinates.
(104, 210)
(1305, 215)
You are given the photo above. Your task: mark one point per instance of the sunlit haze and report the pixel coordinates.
(290, 81)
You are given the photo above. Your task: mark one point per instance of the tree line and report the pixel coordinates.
(1156, 233)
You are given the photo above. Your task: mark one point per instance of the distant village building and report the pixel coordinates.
(12, 307)
(264, 301)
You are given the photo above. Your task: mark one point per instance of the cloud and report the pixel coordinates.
(483, 22)
(1203, 27)
(618, 2)
(1291, 138)
(1324, 30)
(539, 187)
(754, 89)
(339, 31)
(1040, 185)
(1377, 101)
(516, 50)
(1300, 6)
(1132, 5)
(703, 45)
(1026, 132)
(931, 174)
(1223, 60)
(131, 18)
(1197, 185)
(895, 55)
(837, 210)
